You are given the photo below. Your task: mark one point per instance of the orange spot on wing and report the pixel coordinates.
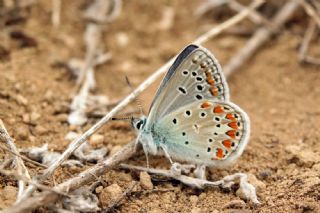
(219, 153)
(233, 125)
(210, 80)
(214, 91)
(232, 133)
(230, 117)
(227, 143)
(218, 109)
(205, 105)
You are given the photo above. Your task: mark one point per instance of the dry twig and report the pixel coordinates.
(310, 11)
(85, 177)
(21, 168)
(260, 37)
(305, 45)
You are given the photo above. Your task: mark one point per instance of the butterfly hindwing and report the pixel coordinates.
(205, 132)
(195, 75)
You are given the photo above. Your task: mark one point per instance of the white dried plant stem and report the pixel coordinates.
(260, 37)
(79, 141)
(48, 197)
(21, 168)
(247, 188)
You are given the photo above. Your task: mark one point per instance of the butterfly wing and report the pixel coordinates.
(195, 75)
(204, 132)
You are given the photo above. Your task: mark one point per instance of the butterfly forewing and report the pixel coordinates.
(195, 75)
(205, 132)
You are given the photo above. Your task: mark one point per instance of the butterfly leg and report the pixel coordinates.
(200, 172)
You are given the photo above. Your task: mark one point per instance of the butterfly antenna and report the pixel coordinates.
(120, 119)
(137, 100)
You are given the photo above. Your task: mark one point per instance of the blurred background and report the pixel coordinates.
(64, 64)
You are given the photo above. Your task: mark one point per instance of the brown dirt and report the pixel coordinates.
(280, 95)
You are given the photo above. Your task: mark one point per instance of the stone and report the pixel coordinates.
(145, 181)
(34, 117)
(22, 132)
(21, 100)
(40, 130)
(110, 194)
(96, 139)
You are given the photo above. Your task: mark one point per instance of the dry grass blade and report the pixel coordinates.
(21, 168)
(85, 177)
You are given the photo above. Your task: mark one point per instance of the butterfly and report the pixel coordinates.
(191, 118)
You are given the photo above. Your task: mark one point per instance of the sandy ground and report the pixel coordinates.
(280, 95)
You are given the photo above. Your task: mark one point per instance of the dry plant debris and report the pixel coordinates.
(75, 195)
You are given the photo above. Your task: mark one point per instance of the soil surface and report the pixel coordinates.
(280, 95)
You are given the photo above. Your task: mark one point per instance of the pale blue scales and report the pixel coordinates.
(191, 118)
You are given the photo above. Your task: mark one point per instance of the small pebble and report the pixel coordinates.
(202, 196)
(26, 118)
(62, 117)
(99, 189)
(193, 200)
(34, 117)
(145, 181)
(110, 194)
(96, 139)
(21, 100)
(22, 132)
(40, 130)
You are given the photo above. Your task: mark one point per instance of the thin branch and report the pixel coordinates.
(70, 184)
(260, 37)
(21, 168)
(303, 57)
(310, 11)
